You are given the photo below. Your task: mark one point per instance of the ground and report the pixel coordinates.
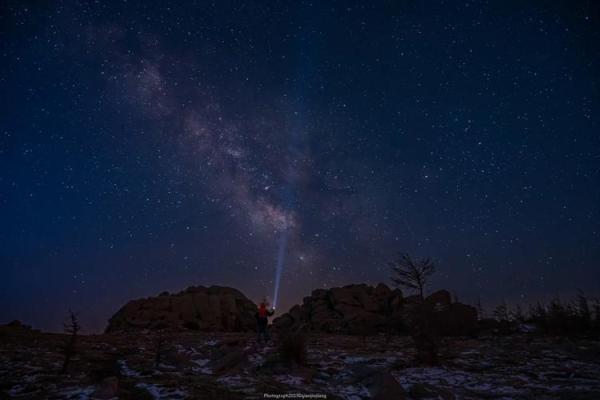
(223, 366)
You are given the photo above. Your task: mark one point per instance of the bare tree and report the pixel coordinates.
(71, 327)
(479, 308)
(410, 273)
(583, 307)
(501, 312)
(516, 314)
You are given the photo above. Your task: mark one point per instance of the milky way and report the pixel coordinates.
(150, 146)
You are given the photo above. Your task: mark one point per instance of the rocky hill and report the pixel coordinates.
(217, 308)
(353, 309)
(363, 309)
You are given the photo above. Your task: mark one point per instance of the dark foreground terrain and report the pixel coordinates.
(223, 366)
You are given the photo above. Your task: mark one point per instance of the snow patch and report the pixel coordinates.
(125, 370)
(159, 392)
(78, 393)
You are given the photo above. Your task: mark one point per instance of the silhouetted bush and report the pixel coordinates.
(555, 318)
(72, 328)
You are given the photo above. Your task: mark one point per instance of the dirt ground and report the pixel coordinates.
(235, 366)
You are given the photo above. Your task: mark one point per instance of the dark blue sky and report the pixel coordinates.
(150, 146)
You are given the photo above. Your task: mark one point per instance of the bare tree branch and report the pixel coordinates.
(412, 274)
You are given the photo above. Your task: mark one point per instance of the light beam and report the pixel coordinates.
(280, 262)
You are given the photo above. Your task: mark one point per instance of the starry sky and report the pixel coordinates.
(153, 145)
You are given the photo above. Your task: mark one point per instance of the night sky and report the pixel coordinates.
(150, 146)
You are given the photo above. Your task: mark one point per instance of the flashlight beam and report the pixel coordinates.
(280, 262)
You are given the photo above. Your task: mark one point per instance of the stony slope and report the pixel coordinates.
(209, 365)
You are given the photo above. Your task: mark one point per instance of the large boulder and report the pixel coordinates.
(215, 308)
(440, 300)
(362, 310)
(352, 309)
(439, 316)
(457, 320)
(450, 318)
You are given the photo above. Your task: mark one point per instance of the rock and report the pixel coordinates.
(215, 308)
(360, 372)
(427, 391)
(366, 310)
(16, 324)
(307, 374)
(107, 389)
(440, 299)
(457, 320)
(353, 309)
(382, 290)
(414, 299)
(230, 360)
(16, 327)
(383, 386)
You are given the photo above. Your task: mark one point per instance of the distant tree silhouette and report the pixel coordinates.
(583, 309)
(71, 327)
(414, 274)
(578, 317)
(501, 312)
(539, 316)
(410, 273)
(596, 321)
(480, 315)
(517, 314)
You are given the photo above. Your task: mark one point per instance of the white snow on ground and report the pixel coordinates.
(499, 368)
(236, 381)
(159, 392)
(15, 390)
(125, 370)
(167, 367)
(239, 383)
(203, 370)
(233, 380)
(351, 392)
(78, 393)
(354, 359)
(442, 377)
(289, 379)
(256, 359)
(188, 351)
(201, 362)
(202, 366)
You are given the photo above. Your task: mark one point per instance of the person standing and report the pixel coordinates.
(262, 319)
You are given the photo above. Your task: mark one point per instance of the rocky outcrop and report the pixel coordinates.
(215, 308)
(363, 309)
(352, 309)
(450, 318)
(16, 327)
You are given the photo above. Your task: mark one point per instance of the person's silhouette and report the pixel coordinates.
(262, 319)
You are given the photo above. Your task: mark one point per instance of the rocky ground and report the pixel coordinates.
(234, 366)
